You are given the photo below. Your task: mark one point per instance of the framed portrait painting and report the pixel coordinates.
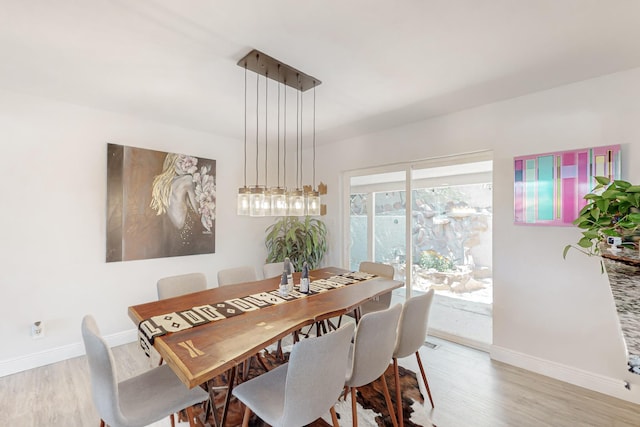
(159, 204)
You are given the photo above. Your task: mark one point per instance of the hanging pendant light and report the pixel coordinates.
(260, 199)
(313, 196)
(257, 192)
(295, 199)
(243, 201)
(278, 194)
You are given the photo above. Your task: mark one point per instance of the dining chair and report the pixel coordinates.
(302, 390)
(381, 302)
(137, 401)
(231, 276)
(173, 286)
(412, 331)
(373, 346)
(273, 269)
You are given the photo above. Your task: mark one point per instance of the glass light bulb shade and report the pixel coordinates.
(313, 203)
(256, 201)
(278, 202)
(295, 202)
(266, 203)
(243, 201)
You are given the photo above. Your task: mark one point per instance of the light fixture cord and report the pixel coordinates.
(301, 131)
(284, 138)
(297, 138)
(314, 135)
(257, 102)
(266, 121)
(245, 124)
(279, 85)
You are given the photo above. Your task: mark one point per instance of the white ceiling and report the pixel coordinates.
(382, 63)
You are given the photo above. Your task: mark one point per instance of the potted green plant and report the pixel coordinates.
(613, 211)
(609, 221)
(299, 240)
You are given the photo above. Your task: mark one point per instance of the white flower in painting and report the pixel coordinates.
(205, 189)
(186, 165)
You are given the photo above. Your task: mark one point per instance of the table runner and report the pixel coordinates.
(156, 326)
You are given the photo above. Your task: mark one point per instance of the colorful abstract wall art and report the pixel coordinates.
(159, 204)
(549, 188)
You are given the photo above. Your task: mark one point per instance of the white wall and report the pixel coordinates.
(52, 249)
(552, 316)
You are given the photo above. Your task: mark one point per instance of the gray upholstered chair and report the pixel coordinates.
(302, 390)
(412, 331)
(372, 349)
(173, 286)
(231, 276)
(383, 301)
(273, 269)
(137, 401)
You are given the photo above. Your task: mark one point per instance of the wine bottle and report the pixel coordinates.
(304, 281)
(288, 269)
(284, 287)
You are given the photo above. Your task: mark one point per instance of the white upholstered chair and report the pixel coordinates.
(383, 301)
(273, 269)
(182, 284)
(372, 349)
(302, 390)
(173, 286)
(412, 331)
(231, 276)
(137, 401)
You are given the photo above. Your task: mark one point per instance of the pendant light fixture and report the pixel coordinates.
(313, 196)
(277, 201)
(278, 194)
(296, 196)
(243, 201)
(257, 191)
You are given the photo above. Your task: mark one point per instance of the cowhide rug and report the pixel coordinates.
(371, 406)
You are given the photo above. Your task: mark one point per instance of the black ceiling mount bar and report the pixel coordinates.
(267, 66)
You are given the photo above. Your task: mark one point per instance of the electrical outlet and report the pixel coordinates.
(37, 330)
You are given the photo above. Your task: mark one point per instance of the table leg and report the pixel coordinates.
(232, 374)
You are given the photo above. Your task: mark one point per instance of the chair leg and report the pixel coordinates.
(190, 416)
(172, 418)
(396, 373)
(247, 415)
(334, 417)
(424, 378)
(354, 411)
(387, 398)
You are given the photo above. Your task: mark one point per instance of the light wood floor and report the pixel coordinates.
(468, 389)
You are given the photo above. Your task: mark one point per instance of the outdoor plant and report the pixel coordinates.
(613, 211)
(300, 240)
(432, 259)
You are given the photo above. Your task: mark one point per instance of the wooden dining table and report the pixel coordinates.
(199, 354)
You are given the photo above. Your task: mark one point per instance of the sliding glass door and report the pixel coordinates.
(439, 237)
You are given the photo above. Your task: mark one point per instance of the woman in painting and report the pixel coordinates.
(173, 191)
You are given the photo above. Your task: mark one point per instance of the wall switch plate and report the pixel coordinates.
(37, 330)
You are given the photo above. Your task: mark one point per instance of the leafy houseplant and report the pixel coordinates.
(300, 240)
(613, 211)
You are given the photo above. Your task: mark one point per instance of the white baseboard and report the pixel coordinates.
(467, 342)
(614, 387)
(58, 354)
